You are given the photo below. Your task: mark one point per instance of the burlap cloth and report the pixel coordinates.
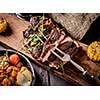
(77, 24)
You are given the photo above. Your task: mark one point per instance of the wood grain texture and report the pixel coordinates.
(71, 74)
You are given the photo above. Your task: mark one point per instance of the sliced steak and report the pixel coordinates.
(36, 52)
(56, 62)
(67, 45)
(54, 39)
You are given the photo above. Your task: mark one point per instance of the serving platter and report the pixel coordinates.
(15, 40)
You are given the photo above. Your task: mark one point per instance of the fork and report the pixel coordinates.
(66, 58)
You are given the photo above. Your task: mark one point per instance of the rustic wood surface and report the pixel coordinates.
(71, 74)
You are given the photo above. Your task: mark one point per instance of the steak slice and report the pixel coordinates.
(66, 44)
(68, 47)
(36, 52)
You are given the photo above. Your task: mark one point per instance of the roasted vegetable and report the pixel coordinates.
(13, 74)
(6, 82)
(14, 59)
(24, 76)
(3, 25)
(93, 51)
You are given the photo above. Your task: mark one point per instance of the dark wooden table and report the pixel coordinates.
(45, 78)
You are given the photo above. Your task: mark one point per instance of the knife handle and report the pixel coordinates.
(94, 80)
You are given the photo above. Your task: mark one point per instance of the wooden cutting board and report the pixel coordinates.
(15, 41)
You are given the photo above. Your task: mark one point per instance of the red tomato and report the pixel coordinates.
(2, 75)
(14, 59)
(6, 82)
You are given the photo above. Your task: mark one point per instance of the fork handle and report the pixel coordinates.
(93, 79)
(86, 74)
(78, 66)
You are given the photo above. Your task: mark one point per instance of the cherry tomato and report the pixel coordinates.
(14, 59)
(6, 82)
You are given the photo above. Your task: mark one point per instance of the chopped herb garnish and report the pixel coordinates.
(61, 66)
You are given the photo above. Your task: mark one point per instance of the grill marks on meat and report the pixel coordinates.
(65, 46)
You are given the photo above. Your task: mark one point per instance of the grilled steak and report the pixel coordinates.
(67, 45)
(42, 36)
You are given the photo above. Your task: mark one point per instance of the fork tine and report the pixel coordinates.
(60, 51)
(55, 47)
(57, 55)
